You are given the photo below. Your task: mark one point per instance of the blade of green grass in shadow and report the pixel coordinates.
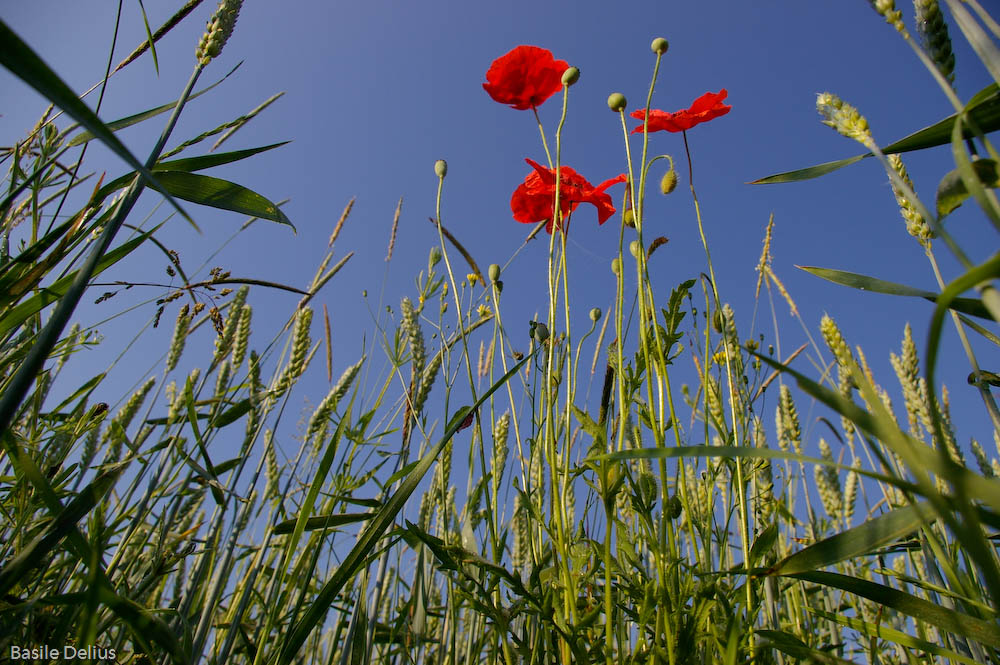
(788, 644)
(884, 632)
(377, 526)
(984, 632)
(985, 109)
(856, 541)
(969, 306)
(188, 164)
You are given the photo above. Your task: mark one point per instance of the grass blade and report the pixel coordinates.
(971, 306)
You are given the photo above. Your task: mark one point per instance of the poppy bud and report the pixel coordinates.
(659, 46)
(718, 320)
(616, 265)
(441, 168)
(616, 102)
(629, 218)
(635, 248)
(570, 76)
(595, 314)
(494, 272)
(669, 182)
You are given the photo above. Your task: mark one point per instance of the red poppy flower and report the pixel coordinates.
(533, 199)
(525, 77)
(705, 108)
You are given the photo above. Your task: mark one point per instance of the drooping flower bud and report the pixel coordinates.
(669, 182)
(570, 76)
(217, 31)
(616, 102)
(441, 168)
(659, 46)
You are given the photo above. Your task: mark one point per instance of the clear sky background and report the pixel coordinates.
(377, 91)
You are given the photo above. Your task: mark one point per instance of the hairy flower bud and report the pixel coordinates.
(659, 46)
(595, 314)
(570, 76)
(616, 102)
(494, 272)
(669, 182)
(441, 168)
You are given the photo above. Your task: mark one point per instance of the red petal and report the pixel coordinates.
(525, 77)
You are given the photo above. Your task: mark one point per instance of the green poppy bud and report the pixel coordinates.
(493, 272)
(441, 168)
(635, 248)
(570, 76)
(629, 218)
(659, 46)
(616, 102)
(595, 314)
(616, 266)
(540, 331)
(669, 182)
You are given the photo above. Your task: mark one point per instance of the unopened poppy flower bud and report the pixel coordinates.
(616, 102)
(634, 248)
(494, 272)
(659, 45)
(629, 218)
(595, 314)
(616, 265)
(669, 182)
(441, 168)
(571, 76)
(541, 332)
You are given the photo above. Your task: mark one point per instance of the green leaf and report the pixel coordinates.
(320, 522)
(883, 632)
(856, 541)
(763, 544)
(984, 107)
(984, 632)
(188, 164)
(799, 650)
(971, 306)
(216, 193)
(952, 192)
(18, 57)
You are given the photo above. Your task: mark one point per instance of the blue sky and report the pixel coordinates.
(377, 91)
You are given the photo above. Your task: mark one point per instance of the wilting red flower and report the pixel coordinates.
(705, 108)
(525, 77)
(534, 199)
